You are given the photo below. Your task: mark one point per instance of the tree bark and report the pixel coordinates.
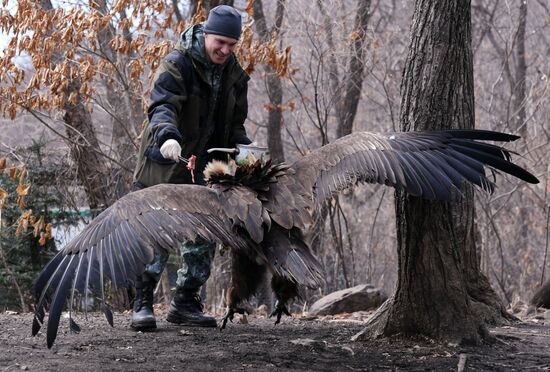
(90, 167)
(441, 292)
(519, 94)
(541, 297)
(274, 84)
(332, 63)
(355, 75)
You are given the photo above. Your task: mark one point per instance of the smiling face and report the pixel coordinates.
(218, 48)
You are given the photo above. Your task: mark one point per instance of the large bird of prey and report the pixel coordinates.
(260, 212)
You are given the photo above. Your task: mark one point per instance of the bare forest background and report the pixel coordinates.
(74, 85)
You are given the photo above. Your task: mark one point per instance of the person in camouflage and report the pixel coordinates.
(198, 101)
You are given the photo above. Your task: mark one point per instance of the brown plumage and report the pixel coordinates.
(260, 212)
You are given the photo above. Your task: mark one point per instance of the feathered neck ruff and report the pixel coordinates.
(255, 175)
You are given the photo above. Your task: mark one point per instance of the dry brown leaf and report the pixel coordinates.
(355, 35)
(38, 226)
(13, 171)
(3, 196)
(269, 107)
(23, 222)
(22, 172)
(48, 229)
(200, 14)
(23, 189)
(250, 8)
(42, 240)
(21, 202)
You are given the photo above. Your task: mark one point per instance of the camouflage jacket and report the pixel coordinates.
(195, 102)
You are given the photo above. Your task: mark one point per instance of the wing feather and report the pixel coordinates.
(122, 240)
(426, 164)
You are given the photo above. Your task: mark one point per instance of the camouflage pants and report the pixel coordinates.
(196, 261)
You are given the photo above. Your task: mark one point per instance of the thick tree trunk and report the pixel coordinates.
(441, 292)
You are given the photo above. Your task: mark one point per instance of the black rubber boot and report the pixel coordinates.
(186, 309)
(143, 317)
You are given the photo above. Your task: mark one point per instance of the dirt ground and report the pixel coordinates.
(294, 345)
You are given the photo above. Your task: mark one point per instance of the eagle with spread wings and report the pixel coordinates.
(260, 211)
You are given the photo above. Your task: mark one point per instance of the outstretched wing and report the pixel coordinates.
(122, 240)
(425, 164)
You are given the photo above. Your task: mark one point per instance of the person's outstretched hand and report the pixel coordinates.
(171, 149)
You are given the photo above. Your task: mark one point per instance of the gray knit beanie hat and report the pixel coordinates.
(224, 20)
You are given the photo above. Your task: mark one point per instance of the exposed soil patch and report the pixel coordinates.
(294, 345)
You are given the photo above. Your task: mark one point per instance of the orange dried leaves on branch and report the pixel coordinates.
(3, 196)
(26, 219)
(67, 48)
(70, 54)
(23, 222)
(22, 188)
(251, 52)
(200, 14)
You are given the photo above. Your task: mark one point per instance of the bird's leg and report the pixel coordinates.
(230, 314)
(280, 309)
(284, 290)
(244, 281)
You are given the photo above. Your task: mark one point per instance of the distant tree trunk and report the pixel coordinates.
(332, 63)
(519, 95)
(441, 292)
(354, 77)
(274, 84)
(91, 168)
(519, 92)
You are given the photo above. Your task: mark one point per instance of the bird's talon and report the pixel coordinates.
(230, 314)
(279, 311)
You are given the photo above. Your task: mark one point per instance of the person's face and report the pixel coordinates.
(218, 48)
